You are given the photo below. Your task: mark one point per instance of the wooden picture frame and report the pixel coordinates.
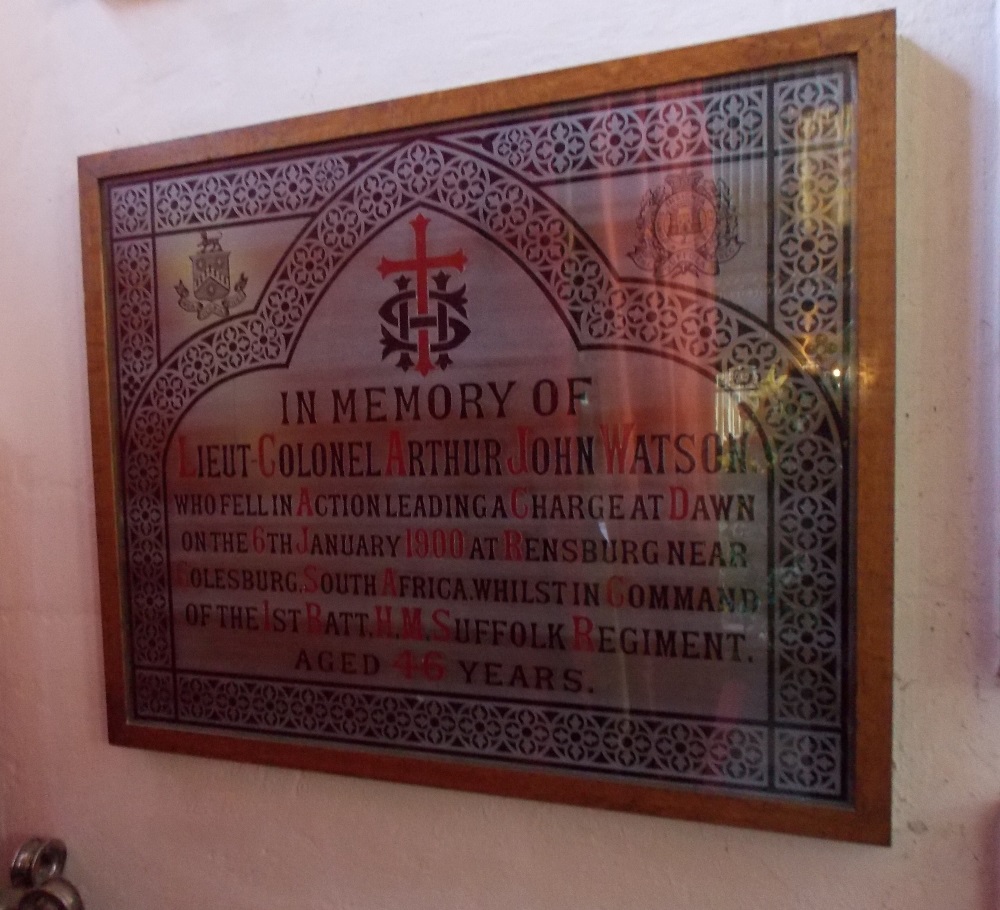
(677, 272)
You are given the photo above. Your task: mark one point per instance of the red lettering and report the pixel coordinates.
(413, 623)
(516, 509)
(513, 543)
(383, 621)
(582, 629)
(314, 625)
(265, 462)
(521, 465)
(440, 619)
(612, 591)
(394, 462)
(187, 470)
(389, 586)
(305, 503)
(678, 503)
(615, 442)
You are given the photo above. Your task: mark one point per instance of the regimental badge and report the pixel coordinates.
(213, 295)
(425, 318)
(687, 225)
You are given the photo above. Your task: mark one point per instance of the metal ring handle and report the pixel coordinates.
(55, 894)
(20, 867)
(49, 862)
(37, 861)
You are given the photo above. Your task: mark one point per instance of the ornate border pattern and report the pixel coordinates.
(595, 740)
(684, 130)
(469, 177)
(130, 211)
(135, 317)
(275, 190)
(809, 762)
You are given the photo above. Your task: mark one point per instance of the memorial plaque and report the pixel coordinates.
(534, 438)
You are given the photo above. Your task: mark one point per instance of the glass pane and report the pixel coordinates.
(523, 441)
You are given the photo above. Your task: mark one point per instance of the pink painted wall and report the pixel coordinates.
(151, 831)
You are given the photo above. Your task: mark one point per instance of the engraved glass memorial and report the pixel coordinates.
(517, 442)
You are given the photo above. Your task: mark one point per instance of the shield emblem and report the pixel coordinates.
(214, 294)
(210, 275)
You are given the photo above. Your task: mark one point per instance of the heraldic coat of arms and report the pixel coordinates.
(213, 295)
(687, 225)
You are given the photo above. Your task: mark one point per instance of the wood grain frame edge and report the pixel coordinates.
(106, 499)
(876, 426)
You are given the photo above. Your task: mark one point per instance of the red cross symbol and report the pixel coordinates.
(421, 264)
